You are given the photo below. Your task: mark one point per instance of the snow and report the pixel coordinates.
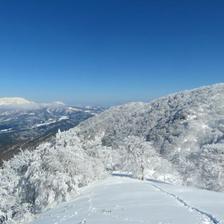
(60, 103)
(14, 101)
(6, 130)
(208, 201)
(63, 118)
(74, 109)
(44, 124)
(50, 121)
(125, 200)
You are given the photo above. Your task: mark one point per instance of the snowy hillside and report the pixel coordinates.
(125, 200)
(184, 131)
(177, 139)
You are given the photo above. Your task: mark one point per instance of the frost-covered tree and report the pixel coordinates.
(35, 180)
(135, 156)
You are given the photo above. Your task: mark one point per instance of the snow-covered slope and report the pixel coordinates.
(125, 200)
(5, 101)
(177, 139)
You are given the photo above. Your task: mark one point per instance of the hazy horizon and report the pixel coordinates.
(115, 103)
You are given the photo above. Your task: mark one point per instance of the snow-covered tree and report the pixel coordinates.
(135, 156)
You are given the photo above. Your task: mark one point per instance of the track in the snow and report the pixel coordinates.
(210, 217)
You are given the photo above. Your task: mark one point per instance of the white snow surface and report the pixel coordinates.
(119, 200)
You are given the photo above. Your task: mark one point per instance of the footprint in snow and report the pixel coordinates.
(107, 211)
(83, 221)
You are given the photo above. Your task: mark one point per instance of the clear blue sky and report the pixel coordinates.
(109, 51)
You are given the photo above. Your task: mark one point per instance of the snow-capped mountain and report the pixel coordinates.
(6, 101)
(26, 124)
(177, 139)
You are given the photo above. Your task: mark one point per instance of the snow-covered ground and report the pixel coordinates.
(126, 200)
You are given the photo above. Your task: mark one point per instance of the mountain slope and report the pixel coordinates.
(136, 201)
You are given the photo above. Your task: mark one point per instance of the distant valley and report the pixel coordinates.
(26, 124)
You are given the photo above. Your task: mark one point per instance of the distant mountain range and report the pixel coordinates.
(24, 123)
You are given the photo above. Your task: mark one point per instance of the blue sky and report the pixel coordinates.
(109, 52)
